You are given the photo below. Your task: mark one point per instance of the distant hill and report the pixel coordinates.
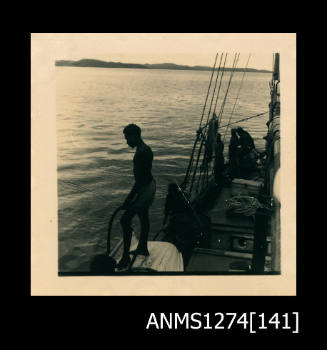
(103, 64)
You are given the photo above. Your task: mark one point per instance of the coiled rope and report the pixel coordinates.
(245, 205)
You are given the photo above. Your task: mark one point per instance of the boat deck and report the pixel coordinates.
(164, 257)
(229, 247)
(231, 240)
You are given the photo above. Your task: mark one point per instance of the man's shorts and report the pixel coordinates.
(145, 197)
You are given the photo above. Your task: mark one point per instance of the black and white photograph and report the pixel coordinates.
(166, 161)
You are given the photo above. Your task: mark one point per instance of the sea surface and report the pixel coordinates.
(94, 162)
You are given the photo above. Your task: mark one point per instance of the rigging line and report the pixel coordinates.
(205, 172)
(242, 120)
(205, 133)
(229, 83)
(246, 66)
(237, 121)
(227, 90)
(214, 90)
(203, 168)
(200, 136)
(196, 140)
(228, 86)
(205, 103)
(203, 141)
(196, 166)
(190, 164)
(221, 78)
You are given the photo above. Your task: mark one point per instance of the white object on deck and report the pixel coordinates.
(164, 257)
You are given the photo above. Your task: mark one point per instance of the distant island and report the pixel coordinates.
(103, 64)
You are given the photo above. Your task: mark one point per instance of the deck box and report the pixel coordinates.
(241, 187)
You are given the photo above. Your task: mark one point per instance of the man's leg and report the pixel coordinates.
(142, 247)
(125, 222)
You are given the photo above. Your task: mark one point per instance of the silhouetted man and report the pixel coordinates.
(219, 160)
(233, 152)
(246, 141)
(247, 153)
(174, 203)
(140, 197)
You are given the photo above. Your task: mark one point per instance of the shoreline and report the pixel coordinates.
(162, 66)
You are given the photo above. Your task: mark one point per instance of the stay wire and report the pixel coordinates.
(205, 103)
(214, 90)
(184, 183)
(221, 78)
(205, 170)
(242, 120)
(229, 83)
(239, 89)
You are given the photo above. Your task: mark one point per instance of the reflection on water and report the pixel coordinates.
(94, 162)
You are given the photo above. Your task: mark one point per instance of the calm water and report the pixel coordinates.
(94, 162)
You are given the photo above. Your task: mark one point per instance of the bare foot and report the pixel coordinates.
(140, 251)
(123, 263)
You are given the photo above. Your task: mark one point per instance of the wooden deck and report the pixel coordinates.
(231, 240)
(164, 256)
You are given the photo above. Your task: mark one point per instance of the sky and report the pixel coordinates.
(179, 48)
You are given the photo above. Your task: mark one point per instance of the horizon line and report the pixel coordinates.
(198, 65)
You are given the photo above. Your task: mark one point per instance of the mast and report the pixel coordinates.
(273, 148)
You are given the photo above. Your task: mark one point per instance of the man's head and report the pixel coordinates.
(132, 134)
(240, 131)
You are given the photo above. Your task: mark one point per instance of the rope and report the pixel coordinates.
(206, 169)
(109, 229)
(221, 78)
(228, 86)
(196, 166)
(190, 164)
(237, 97)
(242, 120)
(244, 205)
(214, 89)
(206, 166)
(205, 103)
(202, 142)
(184, 183)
